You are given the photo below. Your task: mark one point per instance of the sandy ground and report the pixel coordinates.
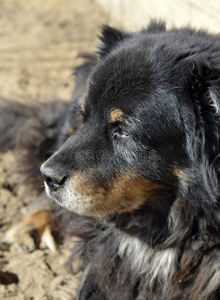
(39, 40)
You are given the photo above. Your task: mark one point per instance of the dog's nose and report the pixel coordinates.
(53, 177)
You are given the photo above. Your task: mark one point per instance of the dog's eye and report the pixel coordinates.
(119, 133)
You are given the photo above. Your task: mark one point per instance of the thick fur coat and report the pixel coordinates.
(140, 176)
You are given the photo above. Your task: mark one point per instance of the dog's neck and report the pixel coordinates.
(148, 223)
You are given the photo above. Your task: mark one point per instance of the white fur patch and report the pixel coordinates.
(145, 260)
(215, 101)
(69, 198)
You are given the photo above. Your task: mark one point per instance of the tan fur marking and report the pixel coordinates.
(83, 105)
(116, 115)
(39, 219)
(181, 175)
(126, 193)
(20, 233)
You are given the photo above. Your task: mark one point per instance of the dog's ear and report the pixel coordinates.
(205, 89)
(110, 37)
(195, 210)
(205, 83)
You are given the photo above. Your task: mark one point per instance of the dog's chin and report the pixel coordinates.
(72, 202)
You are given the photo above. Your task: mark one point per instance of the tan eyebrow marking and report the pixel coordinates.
(116, 115)
(83, 106)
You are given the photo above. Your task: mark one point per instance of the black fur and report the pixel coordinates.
(34, 133)
(167, 84)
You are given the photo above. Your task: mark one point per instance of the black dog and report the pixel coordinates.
(140, 176)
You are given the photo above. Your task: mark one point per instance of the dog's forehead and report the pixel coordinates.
(129, 82)
(118, 84)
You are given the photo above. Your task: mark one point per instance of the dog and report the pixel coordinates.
(139, 178)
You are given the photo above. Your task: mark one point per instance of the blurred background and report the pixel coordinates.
(39, 39)
(39, 42)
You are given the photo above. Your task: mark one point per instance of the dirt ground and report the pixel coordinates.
(39, 42)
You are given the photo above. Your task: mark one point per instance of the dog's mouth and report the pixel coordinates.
(125, 192)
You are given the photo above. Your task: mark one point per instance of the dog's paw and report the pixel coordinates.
(33, 232)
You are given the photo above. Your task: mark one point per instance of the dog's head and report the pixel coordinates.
(145, 112)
